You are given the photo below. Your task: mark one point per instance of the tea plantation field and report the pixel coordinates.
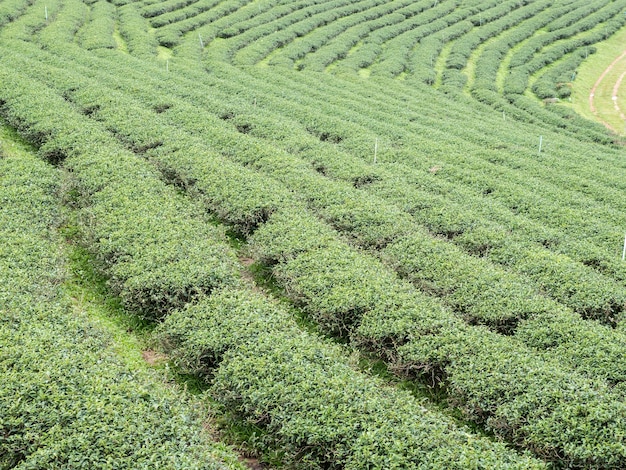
(367, 234)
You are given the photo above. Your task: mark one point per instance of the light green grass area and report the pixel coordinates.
(164, 53)
(119, 40)
(589, 72)
(11, 144)
(440, 64)
(88, 292)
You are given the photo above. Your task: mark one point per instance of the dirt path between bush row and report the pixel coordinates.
(618, 83)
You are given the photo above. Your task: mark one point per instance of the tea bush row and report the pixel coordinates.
(67, 399)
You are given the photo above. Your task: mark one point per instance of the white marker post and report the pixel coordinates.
(201, 41)
(624, 250)
(46, 11)
(540, 144)
(375, 149)
(167, 65)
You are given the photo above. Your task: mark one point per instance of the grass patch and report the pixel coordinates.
(119, 40)
(11, 144)
(164, 53)
(89, 293)
(589, 72)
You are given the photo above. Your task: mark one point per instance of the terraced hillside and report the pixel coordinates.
(297, 194)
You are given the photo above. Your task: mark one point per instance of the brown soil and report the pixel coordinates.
(252, 463)
(153, 358)
(246, 261)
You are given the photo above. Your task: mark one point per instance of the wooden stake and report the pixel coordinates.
(375, 149)
(167, 65)
(624, 250)
(201, 41)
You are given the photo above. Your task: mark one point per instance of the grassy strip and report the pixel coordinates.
(587, 75)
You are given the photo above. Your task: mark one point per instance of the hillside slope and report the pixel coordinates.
(404, 176)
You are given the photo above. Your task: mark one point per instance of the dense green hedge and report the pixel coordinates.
(9, 11)
(351, 293)
(313, 406)
(31, 21)
(98, 31)
(67, 22)
(136, 32)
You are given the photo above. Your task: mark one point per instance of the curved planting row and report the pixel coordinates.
(135, 32)
(171, 34)
(345, 290)
(505, 17)
(534, 17)
(160, 258)
(490, 60)
(270, 24)
(331, 42)
(159, 8)
(410, 41)
(443, 19)
(67, 400)
(453, 222)
(31, 21)
(315, 408)
(70, 18)
(552, 183)
(276, 34)
(98, 31)
(191, 11)
(233, 335)
(11, 10)
(563, 28)
(536, 53)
